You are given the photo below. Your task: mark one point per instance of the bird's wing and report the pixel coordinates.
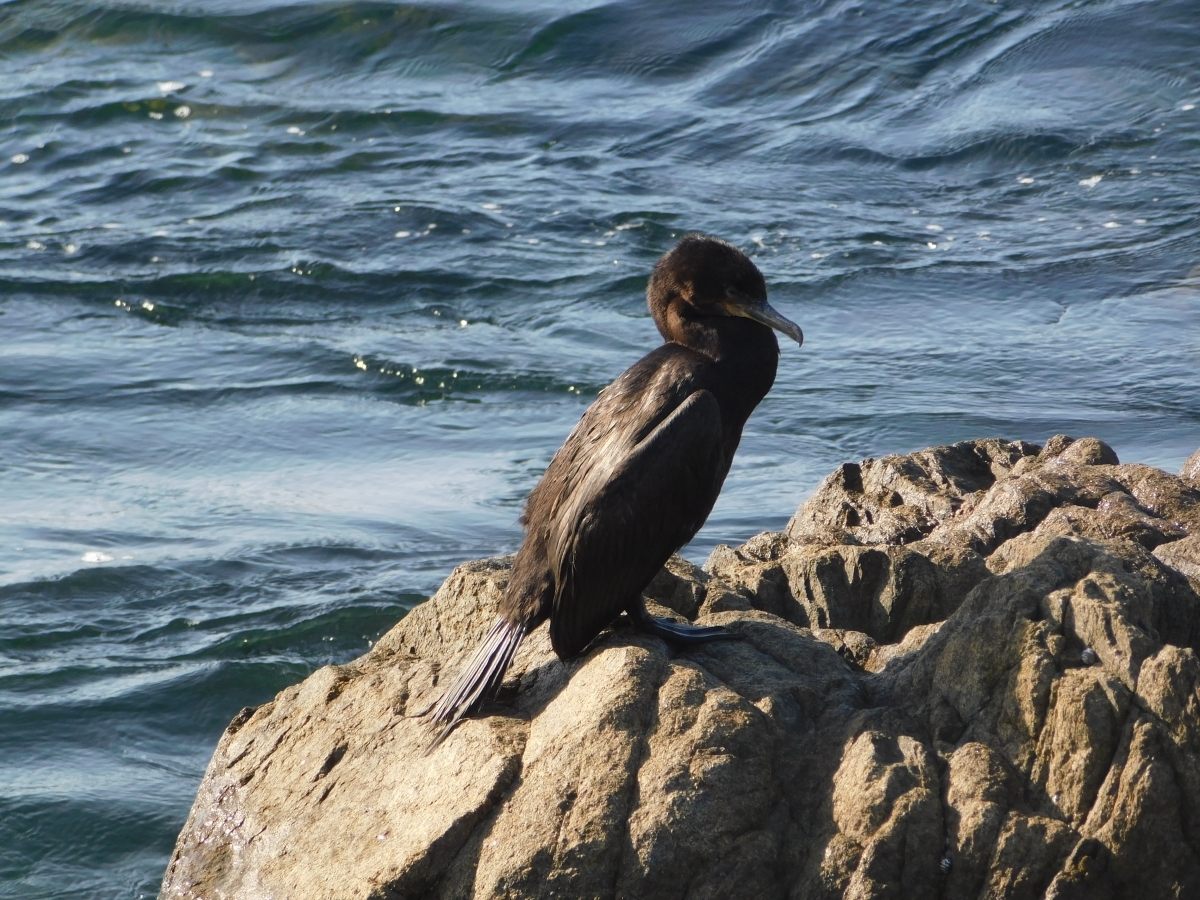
(621, 417)
(638, 492)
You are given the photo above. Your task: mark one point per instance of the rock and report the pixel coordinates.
(1162, 495)
(981, 790)
(891, 544)
(1184, 557)
(910, 689)
(680, 586)
(880, 590)
(1116, 516)
(1083, 452)
(886, 800)
(1191, 469)
(901, 499)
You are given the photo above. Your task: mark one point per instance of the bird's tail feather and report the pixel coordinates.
(482, 674)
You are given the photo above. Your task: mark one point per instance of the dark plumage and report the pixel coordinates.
(641, 471)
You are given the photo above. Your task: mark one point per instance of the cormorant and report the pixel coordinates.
(641, 471)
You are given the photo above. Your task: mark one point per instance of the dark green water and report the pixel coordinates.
(296, 302)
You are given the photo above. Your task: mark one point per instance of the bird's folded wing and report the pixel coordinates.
(637, 503)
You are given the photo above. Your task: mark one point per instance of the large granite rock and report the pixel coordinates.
(967, 672)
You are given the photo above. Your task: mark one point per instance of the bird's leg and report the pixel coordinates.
(673, 632)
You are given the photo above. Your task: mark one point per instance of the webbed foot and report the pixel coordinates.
(675, 633)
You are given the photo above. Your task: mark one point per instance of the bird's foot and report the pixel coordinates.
(676, 633)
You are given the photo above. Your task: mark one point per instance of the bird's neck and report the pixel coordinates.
(744, 357)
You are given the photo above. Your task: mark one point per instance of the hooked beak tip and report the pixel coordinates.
(765, 314)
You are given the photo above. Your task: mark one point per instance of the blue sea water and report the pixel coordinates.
(298, 299)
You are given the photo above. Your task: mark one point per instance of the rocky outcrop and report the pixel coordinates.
(969, 672)
(1191, 469)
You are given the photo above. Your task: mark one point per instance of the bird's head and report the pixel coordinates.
(704, 277)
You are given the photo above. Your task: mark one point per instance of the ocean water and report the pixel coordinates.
(298, 299)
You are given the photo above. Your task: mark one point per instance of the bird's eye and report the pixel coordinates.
(737, 296)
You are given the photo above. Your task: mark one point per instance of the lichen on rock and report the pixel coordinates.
(966, 672)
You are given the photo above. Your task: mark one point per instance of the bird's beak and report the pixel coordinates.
(762, 311)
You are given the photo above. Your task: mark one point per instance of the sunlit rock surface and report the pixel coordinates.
(967, 672)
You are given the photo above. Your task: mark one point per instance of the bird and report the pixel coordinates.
(637, 477)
